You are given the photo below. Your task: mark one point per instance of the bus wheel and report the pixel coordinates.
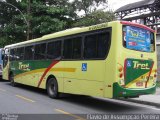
(11, 78)
(52, 88)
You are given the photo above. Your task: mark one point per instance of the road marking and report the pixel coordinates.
(2, 90)
(24, 98)
(69, 114)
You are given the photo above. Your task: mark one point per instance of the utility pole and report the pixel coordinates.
(28, 20)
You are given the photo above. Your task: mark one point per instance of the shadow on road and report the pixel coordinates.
(108, 105)
(29, 88)
(97, 104)
(1, 80)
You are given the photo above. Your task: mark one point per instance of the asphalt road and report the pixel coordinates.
(24, 100)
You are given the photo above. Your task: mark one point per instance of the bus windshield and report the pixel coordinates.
(138, 39)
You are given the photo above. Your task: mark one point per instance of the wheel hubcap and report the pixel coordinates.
(52, 88)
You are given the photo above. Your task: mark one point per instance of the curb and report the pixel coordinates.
(142, 102)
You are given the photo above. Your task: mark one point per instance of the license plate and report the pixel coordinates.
(139, 84)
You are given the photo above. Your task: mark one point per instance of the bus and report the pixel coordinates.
(110, 60)
(1, 63)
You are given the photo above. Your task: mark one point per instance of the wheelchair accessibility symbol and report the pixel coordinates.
(84, 66)
(129, 63)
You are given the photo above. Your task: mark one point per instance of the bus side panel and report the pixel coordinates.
(111, 62)
(87, 78)
(36, 73)
(57, 71)
(27, 72)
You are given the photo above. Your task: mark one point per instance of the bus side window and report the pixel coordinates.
(96, 46)
(90, 46)
(12, 54)
(20, 53)
(77, 48)
(72, 48)
(67, 50)
(54, 50)
(40, 51)
(29, 51)
(103, 44)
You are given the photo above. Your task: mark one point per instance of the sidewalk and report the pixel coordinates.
(148, 99)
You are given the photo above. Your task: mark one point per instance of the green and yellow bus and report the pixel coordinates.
(112, 60)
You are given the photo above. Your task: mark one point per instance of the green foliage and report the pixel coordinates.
(88, 6)
(8, 33)
(46, 16)
(95, 17)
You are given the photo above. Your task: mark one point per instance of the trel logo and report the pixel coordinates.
(24, 66)
(140, 65)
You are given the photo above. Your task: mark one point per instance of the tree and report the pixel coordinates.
(94, 12)
(7, 31)
(50, 17)
(88, 6)
(43, 16)
(46, 16)
(95, 17)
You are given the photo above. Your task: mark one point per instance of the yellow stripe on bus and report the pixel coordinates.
(30, 72)
(63, 69)
(43, 69)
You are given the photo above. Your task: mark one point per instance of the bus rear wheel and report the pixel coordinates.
(11, 78)
(52, 88)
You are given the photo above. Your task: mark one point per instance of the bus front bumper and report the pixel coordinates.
(119, 91)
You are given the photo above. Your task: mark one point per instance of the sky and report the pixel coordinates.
(115, 4)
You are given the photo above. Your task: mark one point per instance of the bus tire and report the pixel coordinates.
(11, 78)
(52, 88)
